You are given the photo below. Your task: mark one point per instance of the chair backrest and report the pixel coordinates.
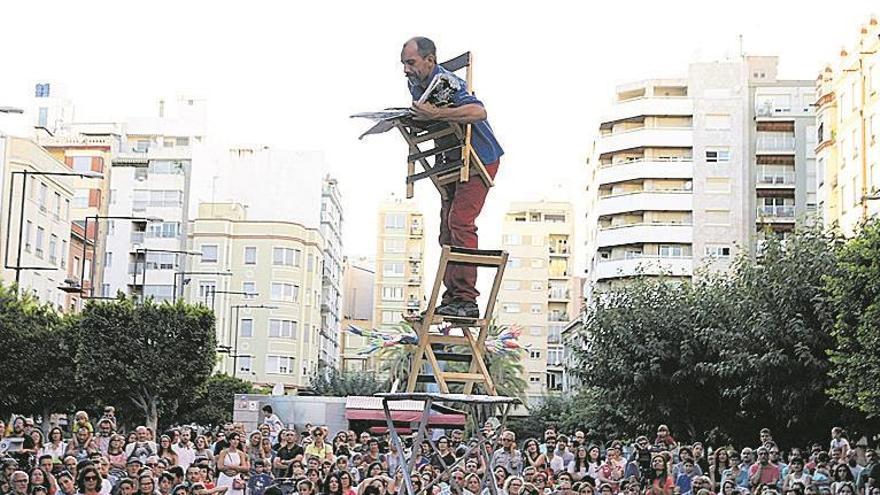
(462, 61)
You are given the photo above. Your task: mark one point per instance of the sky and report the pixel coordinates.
(288, 75)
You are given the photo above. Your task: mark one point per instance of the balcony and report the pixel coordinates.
(554, 333)
(678, 168)
(644, 265)
(557, 316)
(559, 294)
(562, 253)
(650, 105)
(137, 237)
(131, 268)
(775, 179)
(777, 213)
(415, 231)
(639, 233)
(773, 144)
(656, 200)
(675, 137)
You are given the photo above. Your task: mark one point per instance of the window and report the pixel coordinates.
(105, 290)
(81, 198)
(53, 247)
(206, 288)
(57, 206)
(160, 261)
(158, 292)
(512, 240)
(41, 198)
(281, 365)
(391, 317)
(38, 243)
(510, 308)
(717, 251)
(66, 211)
(510, 285)
(282, 328)
(392, 293)
(166, 167)
(246, 327)
(392, 269)
(672, 251)
(142, 145)
(64, 252)
(514, 262)
(82, 163)
(43, 118)
(535, 379)
(554, 357)
(108, 259)
(536, 309)
(163, 230)
(394, 245)
(533, 354)
(28, 229)
(249, 288)
(286, 256)
(209, 253)
(183, 141)
(395, 221)
(250, 255)
(717, 121)
(281, 291)
(244, 364)
(537, 285)
(310, 266)
(717, 155)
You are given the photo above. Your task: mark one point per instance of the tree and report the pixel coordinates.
(213, 402)
(334, 383)
(147, 354)
(855, 293)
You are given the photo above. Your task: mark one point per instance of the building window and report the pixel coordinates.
(393, 246)
(43, 117)
(38, 243)
(512, 240)
(206, 288)
(250, 255)
(108, 259)
(393, 269)
(209, 253)
(534, 354)
(554, 357)
(28, 229)
(282, 328)
(536, 309)
(64, 253)
(280, 365)
(510, 285)
(160, 261)
(391, 317)
(105, 290)
(510, 308)
(392, 293)
(244, 364)
(672, 251)
(53, 247)
(285, 292)
(247, 327)
(717, 251)
(41, 197)
(250, 289)
(163, 230)
(286, 256)
(159, 292)
(514, 262)
(717, 156)
(395, 221)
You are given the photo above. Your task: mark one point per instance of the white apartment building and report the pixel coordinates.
(38, 206)
(331, 300)
(539, 292)
(400, 259)
(687, 172)
(264, 280)
(150, 179)
(358, 279)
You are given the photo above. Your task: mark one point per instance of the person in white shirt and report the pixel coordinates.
(185, 449)
(273, 421)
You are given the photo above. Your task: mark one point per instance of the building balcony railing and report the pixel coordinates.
(137, 237)
(776, 178)
(776, 211)
(562, 294)
(557, 317)
(665, 159)
(133, 266)
(774, 143)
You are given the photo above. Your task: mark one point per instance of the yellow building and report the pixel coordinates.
(273, 264)
(539, 291)
(848, 152)
(400, 257)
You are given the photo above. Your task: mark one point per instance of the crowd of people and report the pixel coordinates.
(96, 458)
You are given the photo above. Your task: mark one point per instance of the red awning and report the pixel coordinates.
(370, 409)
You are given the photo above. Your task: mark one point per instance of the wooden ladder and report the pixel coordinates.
(433, 344)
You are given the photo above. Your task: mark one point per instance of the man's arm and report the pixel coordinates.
(464, 114)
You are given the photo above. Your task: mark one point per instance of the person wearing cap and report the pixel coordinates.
(133, 467)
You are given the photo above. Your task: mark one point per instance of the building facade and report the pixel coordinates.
(690, 171)
(539, 292)
(331, 300)
(36, 220)
(249, 263)
(848, 152)
(400, 256)
(358, 280)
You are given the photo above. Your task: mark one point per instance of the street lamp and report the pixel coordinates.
(25, 173)
(7, 109)
(146, 252)
(236, 307)
(182, 283)
(214, 292)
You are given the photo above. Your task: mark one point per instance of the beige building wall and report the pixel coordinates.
(400, 258)
(848, 152)
(358, 283)
(273, 263)
(44, 229)
(539, 292)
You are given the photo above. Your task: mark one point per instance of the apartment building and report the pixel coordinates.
(689, 171)
(264, 280)
(400, 257)
(358, 279)
(36, 220)
(848, 152)
(331, 300)
(149, 198)
(539, 292)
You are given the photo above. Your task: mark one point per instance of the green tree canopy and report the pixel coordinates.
(212, 403)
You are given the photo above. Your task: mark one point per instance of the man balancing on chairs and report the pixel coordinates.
(464, 200)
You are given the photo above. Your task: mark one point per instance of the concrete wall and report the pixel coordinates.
(293, 410)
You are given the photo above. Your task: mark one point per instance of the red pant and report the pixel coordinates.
(457, 228)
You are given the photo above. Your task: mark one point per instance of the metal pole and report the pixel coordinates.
(94, 255)
(235, 356)
(396, 443)
(229, 324)
(82, 272)
(174, 286)
(144, 277)
(20, 230)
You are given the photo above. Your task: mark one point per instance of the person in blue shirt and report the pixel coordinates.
(463, 200)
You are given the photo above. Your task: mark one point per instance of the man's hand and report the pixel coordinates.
(426, 111)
